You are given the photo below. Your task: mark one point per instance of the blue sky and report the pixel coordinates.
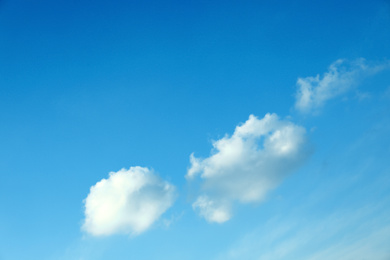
(194, 130)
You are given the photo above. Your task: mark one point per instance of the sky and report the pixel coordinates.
(194, 130)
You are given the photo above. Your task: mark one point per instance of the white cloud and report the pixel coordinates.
(342, 214)
(386, 94)
(360, 232)
(128, 201)
(245, 166)
(357, 234)
(314, 92)
(211, 210)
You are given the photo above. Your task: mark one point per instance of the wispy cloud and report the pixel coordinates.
(128, 201)
(357, 234)
(342, 76)
(246, 165)
(386, 94)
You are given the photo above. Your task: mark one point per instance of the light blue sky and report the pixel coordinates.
(88, 89)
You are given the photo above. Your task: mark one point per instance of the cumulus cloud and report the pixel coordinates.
(342, 76)
(128, 201)
(212, 210)
(245, 166)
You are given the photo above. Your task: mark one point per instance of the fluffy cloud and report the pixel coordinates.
(128, 201)
(246, 165)
(313, 92)
(212, 210)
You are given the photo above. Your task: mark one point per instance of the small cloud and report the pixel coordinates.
(314, 92)
(128, 201)
(361, 96)
(211, 210)
(167, 222)
(386, 94)
(245, 166)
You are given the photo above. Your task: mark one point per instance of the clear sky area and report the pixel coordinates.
(187, 130)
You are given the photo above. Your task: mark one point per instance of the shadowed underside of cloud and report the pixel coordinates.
(246, 165)
(342, 76)
(128, 201)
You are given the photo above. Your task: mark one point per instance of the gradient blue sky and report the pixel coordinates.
(88, 88)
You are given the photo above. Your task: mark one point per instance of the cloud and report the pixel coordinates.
(356, 234)
(342, 76)
(128, 201)
(361, 231)
(343, 213)
(212, 210)
(245, 166)
(386, 94)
